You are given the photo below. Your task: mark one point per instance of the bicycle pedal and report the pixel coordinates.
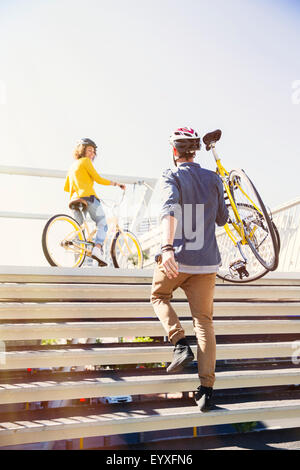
(239, 267)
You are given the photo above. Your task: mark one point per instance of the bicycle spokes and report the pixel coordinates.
(64, 243)
(259, 230)
(237, 258)
(126, 251)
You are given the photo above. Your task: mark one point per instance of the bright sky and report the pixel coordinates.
(127, 73)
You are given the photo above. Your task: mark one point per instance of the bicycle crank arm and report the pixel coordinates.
(65, 244)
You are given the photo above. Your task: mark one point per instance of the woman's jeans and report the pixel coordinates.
(97, 214)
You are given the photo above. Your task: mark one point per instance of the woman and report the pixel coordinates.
(80, 184)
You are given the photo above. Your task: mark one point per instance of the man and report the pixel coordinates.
(193, 202)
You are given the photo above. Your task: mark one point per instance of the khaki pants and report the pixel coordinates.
(199, 289)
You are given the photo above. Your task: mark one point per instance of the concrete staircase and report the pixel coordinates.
(257, 322)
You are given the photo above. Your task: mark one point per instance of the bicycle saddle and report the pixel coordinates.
(75, 203)
(212, 137)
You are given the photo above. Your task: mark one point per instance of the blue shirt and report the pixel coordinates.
(202, 207)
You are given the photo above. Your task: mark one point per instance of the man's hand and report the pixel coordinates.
(169, 264)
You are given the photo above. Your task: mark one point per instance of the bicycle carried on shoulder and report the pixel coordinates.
(66, 243)
(251, 248)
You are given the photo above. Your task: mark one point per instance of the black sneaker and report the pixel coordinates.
(203, 398)
(182, 356)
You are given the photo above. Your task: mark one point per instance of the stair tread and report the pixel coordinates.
(113, 376)
(93, 274)
(155, 413)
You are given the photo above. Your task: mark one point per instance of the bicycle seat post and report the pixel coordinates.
(214, 151)
(81, 207)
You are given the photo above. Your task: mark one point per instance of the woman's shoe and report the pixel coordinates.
(98, 255)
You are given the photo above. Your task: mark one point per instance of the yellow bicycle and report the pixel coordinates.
(66, 243)
(249, 243)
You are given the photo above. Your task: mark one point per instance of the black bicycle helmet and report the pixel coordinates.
(86, 141)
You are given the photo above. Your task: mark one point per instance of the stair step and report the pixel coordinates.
(31, 331)
(111, 275)
(137, 292)
(65, 357)
(120, 384)
(123, 422)
(81, 310)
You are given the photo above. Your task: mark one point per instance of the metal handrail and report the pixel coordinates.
(49, 173)
(287, 205)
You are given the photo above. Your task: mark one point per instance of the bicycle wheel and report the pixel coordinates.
(63, 242)
(277, 237)
(126, 251)
(259, 230)
(233, 256)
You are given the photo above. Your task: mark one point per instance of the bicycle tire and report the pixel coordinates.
(46, 250)
(272, 266)
(277, 237)
(278, 241)
(113, 250)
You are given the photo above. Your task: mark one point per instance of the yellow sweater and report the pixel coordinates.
(80, 179)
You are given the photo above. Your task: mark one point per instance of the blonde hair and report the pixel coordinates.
(79, 151)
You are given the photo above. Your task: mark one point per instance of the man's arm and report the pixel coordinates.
(170, 199)
(168, 225)
(222, 214)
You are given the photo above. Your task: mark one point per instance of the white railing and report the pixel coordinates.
(149, 184)
(285, 216)
(287, 220)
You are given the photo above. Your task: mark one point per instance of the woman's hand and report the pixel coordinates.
(121, 185)
(169, 264)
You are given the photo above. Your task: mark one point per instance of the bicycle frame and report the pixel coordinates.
(238, 224)
(114, 227)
